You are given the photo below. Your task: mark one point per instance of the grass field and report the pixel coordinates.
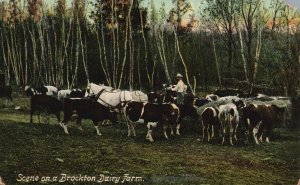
(44, 150)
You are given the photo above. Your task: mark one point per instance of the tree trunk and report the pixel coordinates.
(217, 63)
(183, 63)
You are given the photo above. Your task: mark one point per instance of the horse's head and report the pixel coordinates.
(92, 89)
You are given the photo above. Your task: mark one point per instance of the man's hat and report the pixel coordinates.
(179, 75)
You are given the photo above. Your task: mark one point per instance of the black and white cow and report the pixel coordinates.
(6, 91)
(44, 103)
(68, 93)
(259, 118)
(210, 122)
(84, 108)
(45, 90)
(165, 114)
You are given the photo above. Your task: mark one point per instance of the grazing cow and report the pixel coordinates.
(44, 103)
(228, 92)
(259, 118)
(6, 91)
(45, 90)
(152, 114)
(229, 119)
(65, 93)
(84, 108)
(212, 97)
(210, 122)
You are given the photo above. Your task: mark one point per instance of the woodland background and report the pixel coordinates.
(231, 43)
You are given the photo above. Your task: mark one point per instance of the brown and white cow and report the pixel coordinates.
(210, 122)
(165, 114)
(259, 118)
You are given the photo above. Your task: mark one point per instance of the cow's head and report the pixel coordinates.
(239, 104)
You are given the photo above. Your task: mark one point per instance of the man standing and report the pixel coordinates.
(180, 88)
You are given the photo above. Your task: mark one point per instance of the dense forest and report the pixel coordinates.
(231, 43)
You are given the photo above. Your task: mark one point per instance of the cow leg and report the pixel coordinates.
(149, 134)
(177, 129)
(267, 139)
(234, 131)
(203, 130)
(172, 131)
(223, 128)
(207, 131)
(131, 129)
(64, 127)
(165, 126)
(255, 131)
(97, 128)
(247, 130)
(230, 131)
(261, 137)
(150, 126)
(212, 131)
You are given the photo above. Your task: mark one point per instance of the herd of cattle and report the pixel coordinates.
(220, 113)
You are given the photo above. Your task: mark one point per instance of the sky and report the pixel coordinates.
(295, 3)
